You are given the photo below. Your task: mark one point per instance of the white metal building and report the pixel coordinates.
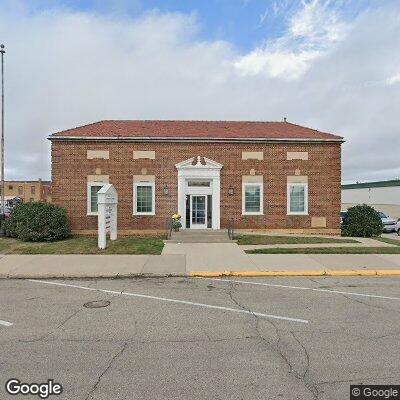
(383, 196)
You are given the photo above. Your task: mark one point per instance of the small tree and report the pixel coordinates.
(362, 221)
(37, 222)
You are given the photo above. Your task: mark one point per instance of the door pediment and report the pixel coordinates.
(195, 163)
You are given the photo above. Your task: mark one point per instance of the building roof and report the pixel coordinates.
(367, 185)
(200, 130)
(22, 182)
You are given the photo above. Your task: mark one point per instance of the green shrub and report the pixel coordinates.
(37, 222)
(362, 221)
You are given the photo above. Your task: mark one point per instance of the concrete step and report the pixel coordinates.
(200, 236)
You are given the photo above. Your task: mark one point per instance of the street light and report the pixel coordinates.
(2, 51)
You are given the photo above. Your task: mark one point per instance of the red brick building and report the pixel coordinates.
(273, 176)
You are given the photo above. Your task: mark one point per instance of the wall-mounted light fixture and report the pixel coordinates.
(231, 190)
(166, 190)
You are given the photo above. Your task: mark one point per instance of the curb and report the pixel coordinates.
(100, 276)
(209, 274)
(353, 272)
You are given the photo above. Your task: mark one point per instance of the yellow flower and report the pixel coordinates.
(176, 216)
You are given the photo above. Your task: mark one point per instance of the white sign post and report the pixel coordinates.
(107, 200)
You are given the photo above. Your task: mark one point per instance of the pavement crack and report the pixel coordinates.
(307, 356)
(42, 338)
(291, 370)
(68, 318)
(369, 305)
(108, 367)
(359, 380)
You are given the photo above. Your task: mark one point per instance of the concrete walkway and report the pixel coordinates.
(184, 259)
(89, 266)
(208, 259)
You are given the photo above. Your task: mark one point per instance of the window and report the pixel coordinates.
(92, 189)
(297, 199)
(20, 190)
(252, 199)
(198, 183)
(10, 187)
(144, 198)
(33, 190)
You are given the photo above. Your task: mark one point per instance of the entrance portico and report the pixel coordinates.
(199, 193)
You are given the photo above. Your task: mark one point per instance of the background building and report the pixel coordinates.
(383, 196)
(28, 190)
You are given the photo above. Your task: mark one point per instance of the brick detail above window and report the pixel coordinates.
(92, 154)
(98, 178)
(137, 154)
(252, 178)
(252, 155)
(144, 178)
(297, 179)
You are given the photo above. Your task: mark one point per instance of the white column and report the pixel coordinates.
(182, 198)
(216, 200)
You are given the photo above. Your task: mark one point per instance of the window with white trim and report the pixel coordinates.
(252, 198)
(144, 198)
(297, 198)
(92, 189)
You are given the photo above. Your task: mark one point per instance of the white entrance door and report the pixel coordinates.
(198, 212)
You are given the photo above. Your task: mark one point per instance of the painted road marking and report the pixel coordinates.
(303, 288)
(190, 303)
(5, 323)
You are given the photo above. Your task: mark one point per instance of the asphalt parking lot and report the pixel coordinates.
(196, 338)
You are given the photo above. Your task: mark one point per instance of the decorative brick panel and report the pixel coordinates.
(92, 154)
(252, 155)
(297, 155)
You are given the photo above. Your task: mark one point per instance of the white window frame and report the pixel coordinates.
(261, 186)
(153, 198)
(305, 212)
(89, 193)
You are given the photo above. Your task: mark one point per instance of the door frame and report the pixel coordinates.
(198, 226)
(199, 168)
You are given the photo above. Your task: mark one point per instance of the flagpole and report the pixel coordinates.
(2, 51)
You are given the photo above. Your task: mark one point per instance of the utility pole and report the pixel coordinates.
(2, 51)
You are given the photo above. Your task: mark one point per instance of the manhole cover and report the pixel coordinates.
(97, 304)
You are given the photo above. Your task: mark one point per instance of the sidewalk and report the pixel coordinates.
(196, 259)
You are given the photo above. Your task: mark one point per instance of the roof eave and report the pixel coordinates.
(192, 139)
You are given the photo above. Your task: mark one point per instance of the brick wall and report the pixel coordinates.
(70, 168)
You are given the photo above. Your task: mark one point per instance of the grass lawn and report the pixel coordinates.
(335, 250)
(84, 245)
(264, 239)
(328, 250)
(388, 240)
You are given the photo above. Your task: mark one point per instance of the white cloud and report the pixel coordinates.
(276, 63)
(65, 68)
(311, 32)
(393, 79)
(263, 17)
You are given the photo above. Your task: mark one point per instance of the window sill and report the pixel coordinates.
(294, 213)
(92, 214)
(143, 214)
(252, 213)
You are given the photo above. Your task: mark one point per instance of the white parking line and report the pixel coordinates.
(302, 288)
(5, 323)
(190, 303)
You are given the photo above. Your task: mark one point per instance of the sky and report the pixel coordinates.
(330, 65)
